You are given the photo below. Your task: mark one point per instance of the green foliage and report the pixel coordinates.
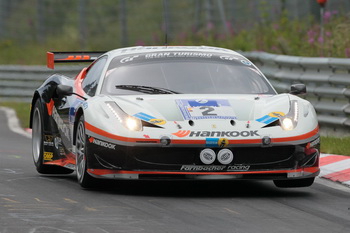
(282, 35)
(22, 111)
(333, 145)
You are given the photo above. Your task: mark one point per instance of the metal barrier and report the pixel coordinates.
(17, 83)
(327, 81)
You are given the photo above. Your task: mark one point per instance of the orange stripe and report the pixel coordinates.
(198, 141)
(116, 137)
(49, 107)
(297, 138)
(78, 80)
(77, 57)
(101, 172)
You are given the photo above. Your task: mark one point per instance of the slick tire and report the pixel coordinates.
(294, 183)
(38, 144)
(84, 179)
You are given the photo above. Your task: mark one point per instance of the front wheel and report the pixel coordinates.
(84, 179)
(294, 183)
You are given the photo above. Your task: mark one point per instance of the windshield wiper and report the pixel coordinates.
(146, 89)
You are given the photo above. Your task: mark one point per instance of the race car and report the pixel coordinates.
(172, 112)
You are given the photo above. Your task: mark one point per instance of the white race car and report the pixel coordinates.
(175, 112)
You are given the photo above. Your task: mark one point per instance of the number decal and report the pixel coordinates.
(207, 111)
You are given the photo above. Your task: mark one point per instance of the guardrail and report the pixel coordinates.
(327, 81)
(17, 83)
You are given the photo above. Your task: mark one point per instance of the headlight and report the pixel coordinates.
(287, 124)
(130, 122)
(290, 121)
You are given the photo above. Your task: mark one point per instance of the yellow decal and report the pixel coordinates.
(48, 156)
(157, 121)
(276, 114)
(223, 142)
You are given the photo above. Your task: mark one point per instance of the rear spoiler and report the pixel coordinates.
(55, 57)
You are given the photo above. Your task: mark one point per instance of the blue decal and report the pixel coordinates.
(248, 63)
(198, 109)
(144, 116)
(212, 142)
(200, 103)
(267, 119)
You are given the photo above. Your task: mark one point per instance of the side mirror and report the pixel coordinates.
(298, 89)
(64, 90)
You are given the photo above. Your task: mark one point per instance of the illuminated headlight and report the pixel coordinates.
(133, 124)
(290, 121)
(130, 122)
(287, 124)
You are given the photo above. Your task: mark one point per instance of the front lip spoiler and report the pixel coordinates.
(270, 175)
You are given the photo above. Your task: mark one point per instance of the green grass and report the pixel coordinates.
(333, 145)
(329, 145)
(22, 110)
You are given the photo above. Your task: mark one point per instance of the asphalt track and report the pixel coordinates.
(34, 203)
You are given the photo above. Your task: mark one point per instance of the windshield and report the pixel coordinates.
(201, 73)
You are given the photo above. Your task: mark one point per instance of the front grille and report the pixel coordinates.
(180, 156)
(259, 155)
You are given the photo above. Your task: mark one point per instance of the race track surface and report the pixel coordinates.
(34, 203)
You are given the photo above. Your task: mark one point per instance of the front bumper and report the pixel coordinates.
(106, 160)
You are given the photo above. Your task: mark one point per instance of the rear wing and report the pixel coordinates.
(55, 57)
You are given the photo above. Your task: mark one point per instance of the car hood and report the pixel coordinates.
(180, 107)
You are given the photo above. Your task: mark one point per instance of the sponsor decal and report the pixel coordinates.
(271, 117)
(247, 63)
(128, 59)
(48, 140)
(276, 114)
(197, 109)
(102, 143)
(216, 142)
(48, 156)
(211, 142)
(182, 133)
(178, 54)
(60, 124)
(202, 168)
(61, 150)
(238, 167)
(85, 105)
(223, 142)
(315, 142)
(250, 133)
(157, 121)
(149, 118)
(233, 134)
(213, 168)
(228, 58)
(146, 136)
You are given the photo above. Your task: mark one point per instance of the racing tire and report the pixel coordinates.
(38, 144)
(294, 183)
(84, 179)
